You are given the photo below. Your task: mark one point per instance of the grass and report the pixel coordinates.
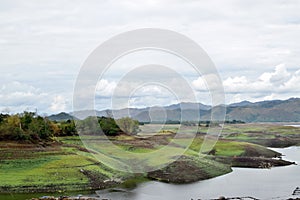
(47, 168)
(263, 129)
(54, 170)
(133, 182)
(190, 169)
(229, 148)
(270, 135)
(133, 149)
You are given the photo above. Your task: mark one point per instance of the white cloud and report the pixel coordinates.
(104, 88)
(292, 85)
(43, 44)
(241, 84)
(279, 84)
(199, 84)
(17, 87)
(278, 77)
(134, 93)
(17, 97)
(209, 82)
(58, 104)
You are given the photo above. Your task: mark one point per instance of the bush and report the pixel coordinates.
(109, 126)
(128, 125)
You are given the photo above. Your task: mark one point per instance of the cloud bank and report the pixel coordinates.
(43, 44)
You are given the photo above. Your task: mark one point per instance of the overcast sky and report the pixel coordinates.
(255, 46)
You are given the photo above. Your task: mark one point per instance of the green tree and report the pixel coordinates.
(109, 126)
(40, 126)
(14, 128)
(89, 126)
(26, 118)
(25, 127)
(3, 117)
(128, 125)
(67, 128)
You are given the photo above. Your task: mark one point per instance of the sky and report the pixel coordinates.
(255, 46)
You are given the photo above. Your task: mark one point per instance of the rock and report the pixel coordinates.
(47, 198)
(296, 191)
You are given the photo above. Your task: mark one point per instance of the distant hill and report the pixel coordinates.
(241, 104)
(61, 117)
(186, 105)
(263, 111)
(267, 111)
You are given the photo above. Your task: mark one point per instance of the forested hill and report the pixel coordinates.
(267, 111)
(263, 111)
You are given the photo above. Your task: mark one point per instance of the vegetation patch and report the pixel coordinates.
(269, 135)
(258, 162)
(189, 169)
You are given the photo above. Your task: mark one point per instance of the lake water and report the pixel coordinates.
(275, 183)
(294, 125)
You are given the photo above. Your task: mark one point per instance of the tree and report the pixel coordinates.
(66, 128)
(109, 126)
(13, 126)
(26, 118)
(25, 127)
(128, 125)
(55, 128)
(41, 126)
(88, 126)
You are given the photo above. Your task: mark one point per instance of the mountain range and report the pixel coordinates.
(263, 111)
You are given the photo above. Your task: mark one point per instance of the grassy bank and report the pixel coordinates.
(189, 169)
(54, 168)
(269, 135)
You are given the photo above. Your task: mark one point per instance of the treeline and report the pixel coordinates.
(28, 126)
(108, 126)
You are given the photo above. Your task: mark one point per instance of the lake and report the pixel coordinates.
(294, 125)
(277, 182)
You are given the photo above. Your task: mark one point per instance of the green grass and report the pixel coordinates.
(225, 147)
(229, 148)
(222, 147)
(271, 135)
(262, 129)
(40, 169)
(133, 149)
(133, 182)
